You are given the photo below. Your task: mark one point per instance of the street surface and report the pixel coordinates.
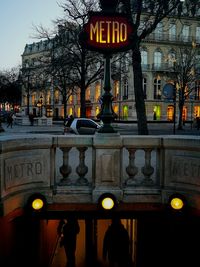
(123, 128)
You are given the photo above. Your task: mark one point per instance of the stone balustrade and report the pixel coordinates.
(79, 169)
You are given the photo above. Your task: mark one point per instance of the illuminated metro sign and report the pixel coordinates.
(107, 33)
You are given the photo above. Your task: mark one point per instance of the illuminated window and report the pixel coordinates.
(87, 94)
(97, 91)
(56, 95)
(170, 113)
(48, 98)
(70, 111)
(156, 112)
(70, 99)
(184, 115)
(157, 88)
(125, 112)
(197, 90)
(78, 96)
(197, 111)
(116, 109)
(97, 111)
(33, 99)
(116, 89)
(78, 111)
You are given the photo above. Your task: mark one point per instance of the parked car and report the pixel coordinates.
(83, 126)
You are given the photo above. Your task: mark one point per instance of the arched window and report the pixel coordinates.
(144, 57)
(198, 34)
(97, 91)
(171, 58)
(87, 94)
(116, 89)
(157, 88)
(172, 32)
(56, 96)
(157, 59)
(78, 96)
(159, 31)
(125, 88)
(145, 87)
(185, 33)
(197, 90)
(170, 113)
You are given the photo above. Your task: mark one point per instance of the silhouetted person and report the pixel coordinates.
(31, 118)
(10, 120)
(154, 116)
(69, 230)
(69, 121)
(116, 245)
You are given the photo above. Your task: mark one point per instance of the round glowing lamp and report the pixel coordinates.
(176, 203)
(107, 203)
(37, 204)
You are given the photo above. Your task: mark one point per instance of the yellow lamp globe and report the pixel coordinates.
(37, 204)
(177, 203)
(107, 203)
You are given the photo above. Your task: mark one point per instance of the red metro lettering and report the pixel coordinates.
(108, 32)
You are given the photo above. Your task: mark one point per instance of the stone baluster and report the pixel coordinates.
(82, 169)
(65, 169)
(131, 169)
(147, 170)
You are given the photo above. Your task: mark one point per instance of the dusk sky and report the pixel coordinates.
(17, 18)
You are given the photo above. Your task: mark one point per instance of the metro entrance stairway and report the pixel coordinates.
(59, 257)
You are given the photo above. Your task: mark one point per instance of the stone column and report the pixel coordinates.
(108, 165)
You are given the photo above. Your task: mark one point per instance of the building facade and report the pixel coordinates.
(159, 52)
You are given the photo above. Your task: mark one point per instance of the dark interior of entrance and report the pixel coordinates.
(153, 241)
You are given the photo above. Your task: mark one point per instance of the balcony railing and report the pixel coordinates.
(170, 38)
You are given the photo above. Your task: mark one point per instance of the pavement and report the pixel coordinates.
(57, 128)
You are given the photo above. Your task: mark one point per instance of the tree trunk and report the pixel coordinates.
(83, 106)
(181, 105)
(65, 106)
(139, 94)
(82, 87)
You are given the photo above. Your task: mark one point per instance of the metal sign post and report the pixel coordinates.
(107, 32)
